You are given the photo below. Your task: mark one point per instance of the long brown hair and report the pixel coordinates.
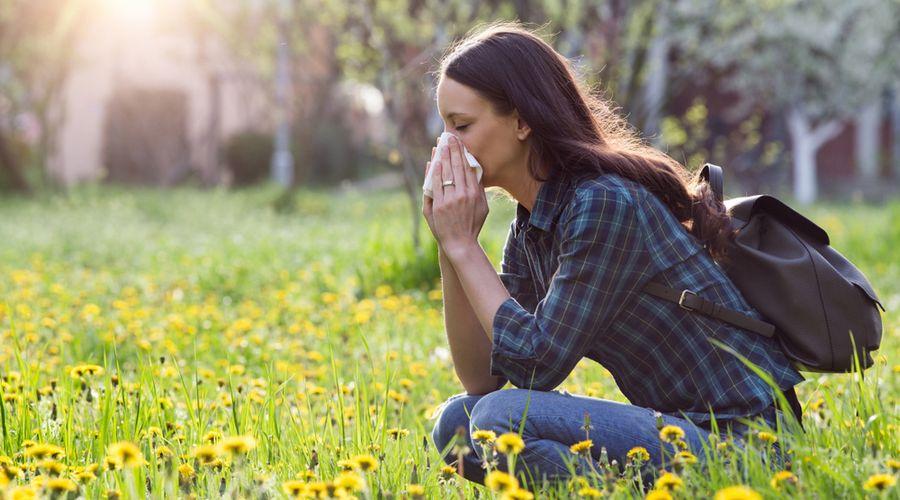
(573, 130)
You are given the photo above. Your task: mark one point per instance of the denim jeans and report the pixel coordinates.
(554, 421)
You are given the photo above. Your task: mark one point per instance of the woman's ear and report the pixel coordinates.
(522, 128)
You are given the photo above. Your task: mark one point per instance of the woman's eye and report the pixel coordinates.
(461, 127)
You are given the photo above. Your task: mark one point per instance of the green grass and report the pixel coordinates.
(316, 329)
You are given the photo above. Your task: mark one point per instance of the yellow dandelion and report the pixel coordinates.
(589, 492)
(668, 482)
(163, 452)
(415, 491)
(638, 453)
(350, 481)
(685, 457)
(238, 445)
(500, 481)
(85, 476)
(879, 482)
(397, 433)
(21, 493)
(365, 463)
(61, 485)
(517, 494)
(111, 463)
(737, 492)
(127, 454)
(294, 487)
(766, 437)
(447, 472)
(52, 467)
(781, 478)
(658, 495)
(582, 447)
(346, 464)
(893, 464)
(206, 453)
(186, 471)
(671, 433)
(42, 450)
(212, 436)
(510, 443)
(482, 436)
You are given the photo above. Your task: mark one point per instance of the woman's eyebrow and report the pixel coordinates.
(455, 113)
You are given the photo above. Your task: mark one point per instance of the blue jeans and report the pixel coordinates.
(554, 421)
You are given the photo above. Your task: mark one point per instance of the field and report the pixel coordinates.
(220, 344)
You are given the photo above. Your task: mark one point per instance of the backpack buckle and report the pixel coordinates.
(683, 296)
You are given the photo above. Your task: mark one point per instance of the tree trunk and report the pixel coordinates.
(868, 123)
(805, 142)
(655, 88)
(895, 130)
(9, 165)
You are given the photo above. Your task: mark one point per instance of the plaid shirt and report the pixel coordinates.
(574, 268)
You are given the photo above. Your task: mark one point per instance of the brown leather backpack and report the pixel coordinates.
(819, 306)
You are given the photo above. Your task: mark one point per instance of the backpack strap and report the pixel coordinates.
(692, 302)
(791, 396)
(712, 174)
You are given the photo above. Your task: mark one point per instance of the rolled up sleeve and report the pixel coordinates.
(514, 272)
(602, 262)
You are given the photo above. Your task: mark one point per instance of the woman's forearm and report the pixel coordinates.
(470, 347)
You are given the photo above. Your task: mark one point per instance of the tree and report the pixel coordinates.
(36, 53)
(818, 63)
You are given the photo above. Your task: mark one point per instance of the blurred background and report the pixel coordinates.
(796, 98)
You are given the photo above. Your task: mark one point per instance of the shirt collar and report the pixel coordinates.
(551, 199)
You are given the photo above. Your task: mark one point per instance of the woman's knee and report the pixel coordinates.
(452, 414)
(499, 411)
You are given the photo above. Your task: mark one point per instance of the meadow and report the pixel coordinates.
(205, 344)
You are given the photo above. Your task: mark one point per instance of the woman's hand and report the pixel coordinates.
(457, 211)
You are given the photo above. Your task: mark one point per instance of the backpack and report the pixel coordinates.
(815, 302)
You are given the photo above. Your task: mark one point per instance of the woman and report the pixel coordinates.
(598, 215)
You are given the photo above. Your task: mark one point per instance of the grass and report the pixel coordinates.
(245, 350)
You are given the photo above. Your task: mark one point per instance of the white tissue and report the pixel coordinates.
(442, 143)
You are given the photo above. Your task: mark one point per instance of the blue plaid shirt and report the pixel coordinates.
(575, 267)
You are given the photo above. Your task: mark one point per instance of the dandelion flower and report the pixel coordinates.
(185, 471)
(350, 481)
(581, 447)
(238, 445)
(668, 482)
(365, 463)
(685, 457)
(671, 433)
(509, 443)
(206, 454)
(638, 453)
(517, 494)
(60, 485)
(41, 451)
(879, 482)
(589, 492)
(500, 481)
(782, 477)
(127, 454)
(482, 436)
(415, 491)
(893, 464)
(294, 487)
(737, 493)
(22, 493)
(396, 433)
(767, 437)
(447, 472)
(658, 495)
